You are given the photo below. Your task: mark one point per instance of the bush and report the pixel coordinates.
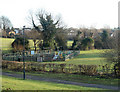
(87, 43)
(88, 69)
(48, 67)
(17, 44)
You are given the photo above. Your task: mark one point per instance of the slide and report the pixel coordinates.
(55, 57)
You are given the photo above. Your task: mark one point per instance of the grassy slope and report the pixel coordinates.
(74, 78)
(91, 57)
(6, 43)
(19, 84)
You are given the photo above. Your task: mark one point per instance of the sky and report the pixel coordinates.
(74, 13)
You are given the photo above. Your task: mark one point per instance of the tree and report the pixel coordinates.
(48, 28)
(4, 35)
(104, 39)
(5, 22)
(35, 36)
(97, 40)
(17, 44)
(77, 41)
(61, 40)
(87, 43)
(113, 54)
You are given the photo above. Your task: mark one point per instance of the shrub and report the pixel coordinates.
(17, 44)
(48, 67)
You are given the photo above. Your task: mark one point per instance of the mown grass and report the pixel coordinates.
(91, 57)
(73, 77)
(6, 43)
(69, 43)
(19, 84)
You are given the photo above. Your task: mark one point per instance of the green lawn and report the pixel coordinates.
(74, 77)
(6, 43)
(86, 57)
(91, 57)
(19, 84)
(69, 43)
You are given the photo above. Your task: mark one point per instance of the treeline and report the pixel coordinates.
(83, 39)
(49, 33)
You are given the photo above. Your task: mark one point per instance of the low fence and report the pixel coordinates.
(19, 57)
(44, 55)
(56, 68)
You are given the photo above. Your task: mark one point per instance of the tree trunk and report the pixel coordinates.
(35, 45)
(115, 70)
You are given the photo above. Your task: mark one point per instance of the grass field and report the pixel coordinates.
(69, 43)
(6, 43)
(73, 77)
(86, 57)
(91, 57)
(19, 84)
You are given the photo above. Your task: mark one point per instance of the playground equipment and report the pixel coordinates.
(58, 55)
(41, 56)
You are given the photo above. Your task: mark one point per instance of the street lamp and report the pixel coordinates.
(23, 53)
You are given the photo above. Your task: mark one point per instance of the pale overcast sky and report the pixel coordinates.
(95, 13)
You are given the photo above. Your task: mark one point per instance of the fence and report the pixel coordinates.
(46, 56)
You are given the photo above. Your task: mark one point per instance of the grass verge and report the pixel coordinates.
(10, 83)
(74, 78)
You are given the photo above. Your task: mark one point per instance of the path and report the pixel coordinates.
(33, 77)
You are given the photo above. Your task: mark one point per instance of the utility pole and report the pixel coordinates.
(24, 54)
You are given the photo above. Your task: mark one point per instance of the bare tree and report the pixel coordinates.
(6, 23)
(35, 36)
(113, 54)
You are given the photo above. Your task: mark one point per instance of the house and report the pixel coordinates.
(71, 33)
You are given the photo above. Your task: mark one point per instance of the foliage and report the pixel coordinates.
(98, 44)
(107, 40)
(77, 41)
(6, 43)
(61, 40)
(104, 35)
(49, 67)
(48, 29)
(113, 55)
(35, 36)
(87, 43)
(18, 43)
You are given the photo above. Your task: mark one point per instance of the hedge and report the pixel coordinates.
(49, 67)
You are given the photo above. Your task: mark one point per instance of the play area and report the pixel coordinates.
(41, 56)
